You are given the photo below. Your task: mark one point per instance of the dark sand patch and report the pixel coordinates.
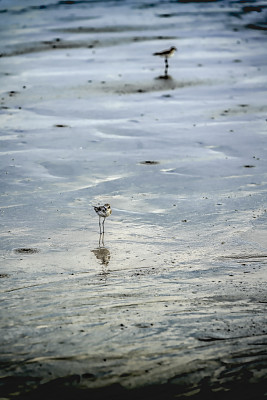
(110, 29)
(4, 276)
(61, 126)
(26, 250)
(149, 162)
(148, 86)
(35, 47)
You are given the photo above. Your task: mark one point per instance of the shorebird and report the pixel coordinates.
(103, 212)
(166, 54)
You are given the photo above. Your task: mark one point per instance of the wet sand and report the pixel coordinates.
(171, 302)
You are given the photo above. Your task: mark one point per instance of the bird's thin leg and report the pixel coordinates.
(166, 66)
(103, 226)
(100, 224)
(101, 240)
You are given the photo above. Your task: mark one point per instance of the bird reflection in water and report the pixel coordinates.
(103, 256)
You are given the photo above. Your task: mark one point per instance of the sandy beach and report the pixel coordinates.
(171, 302)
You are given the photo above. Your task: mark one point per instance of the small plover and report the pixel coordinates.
(166, 54)
(103, 212)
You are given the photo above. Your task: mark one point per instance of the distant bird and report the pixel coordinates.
(103, 212)
(166, 54)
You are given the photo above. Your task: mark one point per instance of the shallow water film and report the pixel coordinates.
(170, 302)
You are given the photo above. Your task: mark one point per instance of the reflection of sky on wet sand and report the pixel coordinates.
(179, 283)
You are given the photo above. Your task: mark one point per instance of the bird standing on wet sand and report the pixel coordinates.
(103, 212)
(166, 54)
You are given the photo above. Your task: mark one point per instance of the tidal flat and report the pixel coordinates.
(171, 302)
